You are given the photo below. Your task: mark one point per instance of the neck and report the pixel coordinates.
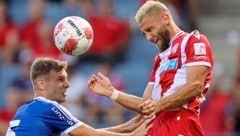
(40, 93)
(174, 29)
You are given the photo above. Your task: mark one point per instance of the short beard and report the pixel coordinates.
(166, 40)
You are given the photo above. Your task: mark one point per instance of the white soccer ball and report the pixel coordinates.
(73, 35)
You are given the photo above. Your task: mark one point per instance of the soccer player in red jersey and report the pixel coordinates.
(179, 78)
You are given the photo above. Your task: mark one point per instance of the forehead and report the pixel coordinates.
(147, 21)
(61, 73)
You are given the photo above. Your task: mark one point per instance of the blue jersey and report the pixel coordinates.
(42, 117)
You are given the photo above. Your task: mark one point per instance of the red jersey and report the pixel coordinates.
(170, 66)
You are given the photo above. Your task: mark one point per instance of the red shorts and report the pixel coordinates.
(176, 123)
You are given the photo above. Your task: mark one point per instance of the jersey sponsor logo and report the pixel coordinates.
(199, 49)
(200, 58)
(170, 64)
(62, 116)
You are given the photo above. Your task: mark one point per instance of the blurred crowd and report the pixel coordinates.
(119, 51)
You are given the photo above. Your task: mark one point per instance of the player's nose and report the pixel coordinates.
(67, 84)
(149, 37)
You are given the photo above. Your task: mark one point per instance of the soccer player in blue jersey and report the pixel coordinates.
(45, 116)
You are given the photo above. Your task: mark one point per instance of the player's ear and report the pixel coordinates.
(166, 18)
(41, 84)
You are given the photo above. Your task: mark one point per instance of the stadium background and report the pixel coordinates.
(217, 19)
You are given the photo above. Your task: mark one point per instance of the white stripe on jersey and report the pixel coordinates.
(183, 46)
(178, 81)
(73, 127)
(14, 123)
(199, 63)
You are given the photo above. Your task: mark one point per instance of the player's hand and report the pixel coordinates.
(149, 107)
(143, 129)
(100, 84)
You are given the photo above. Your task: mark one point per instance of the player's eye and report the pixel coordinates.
(60, 79)
(148, 30)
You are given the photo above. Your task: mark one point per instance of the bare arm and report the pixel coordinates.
(148, 91)
(101, 85)
(127, 126)
(85, 130)
(132, 102)
(193, 87)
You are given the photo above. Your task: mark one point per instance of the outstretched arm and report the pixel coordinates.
(101, 85)
(128, 126)
(86, 130)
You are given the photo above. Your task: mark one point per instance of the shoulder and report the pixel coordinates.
(43, 105)
(197, 39)
(196, 36)
(44, 102)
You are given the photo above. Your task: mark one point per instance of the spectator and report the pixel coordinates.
(36, 14)
(6, 24)
(9, 48)
(9, 35)
(19, 92)
(111, 34)
(45, 44)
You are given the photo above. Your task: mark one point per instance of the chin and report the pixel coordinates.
(62, 100)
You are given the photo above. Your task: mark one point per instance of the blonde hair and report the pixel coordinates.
(150, 6)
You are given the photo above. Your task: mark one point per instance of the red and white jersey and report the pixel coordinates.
(170, 66)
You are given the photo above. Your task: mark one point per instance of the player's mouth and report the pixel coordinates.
(64, 94)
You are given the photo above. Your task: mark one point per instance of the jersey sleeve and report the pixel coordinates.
(60, 118)
(198, 51)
